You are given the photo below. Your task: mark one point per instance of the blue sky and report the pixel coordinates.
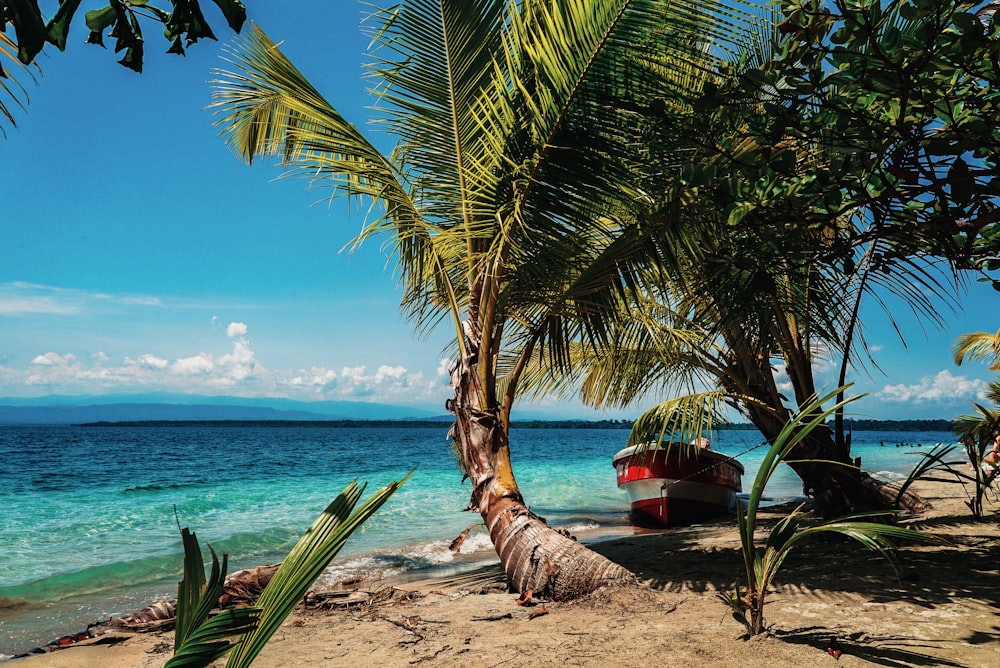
(140, 256)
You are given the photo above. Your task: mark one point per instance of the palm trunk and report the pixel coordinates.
(535, 557)
(829, 474)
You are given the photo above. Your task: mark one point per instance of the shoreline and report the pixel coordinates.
(943, 611)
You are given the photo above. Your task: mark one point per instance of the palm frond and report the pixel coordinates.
(199, 639)
(15, 95)
(306, 562)
(978, 346)
(681, 419)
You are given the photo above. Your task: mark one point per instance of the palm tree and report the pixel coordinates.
(977, 431)
(509, 197)
(712, 334)
(772, 238)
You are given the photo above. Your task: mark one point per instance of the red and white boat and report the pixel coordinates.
(677, 485)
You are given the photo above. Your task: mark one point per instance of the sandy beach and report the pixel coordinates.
(943, 611)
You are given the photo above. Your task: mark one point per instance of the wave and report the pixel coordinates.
(96, 580)
(160, 487)
(420, 560)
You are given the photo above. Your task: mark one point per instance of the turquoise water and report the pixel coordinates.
(89, 518)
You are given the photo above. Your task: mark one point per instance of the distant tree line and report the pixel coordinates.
(900, 425)
(856, 425)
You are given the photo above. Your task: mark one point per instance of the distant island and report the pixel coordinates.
(443, 421)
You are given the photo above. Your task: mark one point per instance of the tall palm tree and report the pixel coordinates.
(509, 197)
(711, 336)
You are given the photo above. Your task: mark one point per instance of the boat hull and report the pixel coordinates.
(677, 486)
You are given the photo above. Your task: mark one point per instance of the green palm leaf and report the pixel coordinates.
(199, 640)
(14, 94)
(306, 562)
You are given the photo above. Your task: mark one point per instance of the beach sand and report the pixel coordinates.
(944, 611)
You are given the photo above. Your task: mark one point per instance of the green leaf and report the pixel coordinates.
(187, 20)
(234, 11)
(99, 20)
(28, 27)
(58, 27)
(306, 562)
(199, 640)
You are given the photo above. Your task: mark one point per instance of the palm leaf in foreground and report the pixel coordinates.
(306, 562)
(199, 640)
(763, 565)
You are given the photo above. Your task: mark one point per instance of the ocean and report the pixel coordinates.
(90, 515)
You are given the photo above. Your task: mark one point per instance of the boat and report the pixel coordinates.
(677, 484)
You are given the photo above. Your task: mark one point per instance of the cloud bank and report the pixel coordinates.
(234, 372)
(941, 387)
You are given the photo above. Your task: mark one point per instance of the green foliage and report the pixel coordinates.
(762, 563)
(930, 462)
(306, 562)
(183, 25)
(198, 638)
(977, 431)
(846, 159)
(898, 101)
(201, 638)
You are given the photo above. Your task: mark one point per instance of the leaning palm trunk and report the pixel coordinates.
(535, 556)
(831, 477)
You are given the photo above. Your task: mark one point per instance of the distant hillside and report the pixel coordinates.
(63, 410)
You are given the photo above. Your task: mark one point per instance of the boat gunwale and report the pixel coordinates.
(701, 452)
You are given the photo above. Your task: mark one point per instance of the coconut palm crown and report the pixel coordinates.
(509, 199)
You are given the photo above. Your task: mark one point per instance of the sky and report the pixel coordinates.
(140, 256)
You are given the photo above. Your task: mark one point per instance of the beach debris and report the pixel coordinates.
(538, 613)
(525, 598)
(414, 624)
(834, 649)
(434, 655)
(63, 642)
(494, 618)
(244, 587)
(456, 544)
(156, 614)
(357, 598)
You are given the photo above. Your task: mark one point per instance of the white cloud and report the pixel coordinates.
(390, 373)
(235, 371)
(38, 305)
(200, 364)
(148, 361)
(19, 299)
(941, 387)
(316, 378)
(53, 359)
(354, 373)
(236, 330)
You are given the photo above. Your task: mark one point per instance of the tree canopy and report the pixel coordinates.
(901, 99)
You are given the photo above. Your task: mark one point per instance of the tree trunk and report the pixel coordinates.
(540, 559)
(830, 476)
(534, 556)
